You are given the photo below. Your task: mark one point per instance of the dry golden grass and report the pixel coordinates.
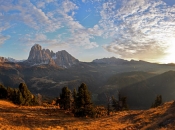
(13, 117)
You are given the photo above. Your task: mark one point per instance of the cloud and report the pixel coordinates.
(82, 38)
(40, 4)
(4, 27)
(68, 6)
(3, 39)
(141, 28)
(35, 15)
(37, 39)
(28, 13)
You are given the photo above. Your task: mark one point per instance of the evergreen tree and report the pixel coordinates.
(65, 99)
(3, 92)
(83, 102)
(15, 98)
(74, 103)
(19, 99)
(120, 104)
(157, 102)
(27, 97)
(124, 104)
(108, 104)
(21, 96)
(10, 93)
(115, 104)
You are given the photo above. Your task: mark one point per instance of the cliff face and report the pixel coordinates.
(38, 56)
(45, 56)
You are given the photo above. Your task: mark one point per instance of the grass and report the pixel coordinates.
(13, 117)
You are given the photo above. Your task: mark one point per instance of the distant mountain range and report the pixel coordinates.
(46, 72)
(39, 56)
(4, 59)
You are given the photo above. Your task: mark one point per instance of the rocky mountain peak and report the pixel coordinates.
(3, 59)
(45, 56)
(36, 47)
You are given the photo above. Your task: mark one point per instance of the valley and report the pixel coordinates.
(139, 81)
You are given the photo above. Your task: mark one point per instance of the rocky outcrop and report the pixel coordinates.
(39, 56)
(45, 56)
(63, 58)
(3, 59)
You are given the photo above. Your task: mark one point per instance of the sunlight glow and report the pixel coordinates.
(170, 57)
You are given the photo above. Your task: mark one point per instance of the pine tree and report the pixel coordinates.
(19, 98)
(115, 104)
(74, 103)
(157, 102)
(83, 102)
(3, 92)
(108, 104)
(124, 104)
(120, 104)
(28, 98)
(15, 96)
(65, 99)
(10, 93)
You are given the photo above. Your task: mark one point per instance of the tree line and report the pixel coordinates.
(78, 101)
(19, 96)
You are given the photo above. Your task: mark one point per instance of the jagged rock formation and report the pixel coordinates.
(3, 59)
(45, 56)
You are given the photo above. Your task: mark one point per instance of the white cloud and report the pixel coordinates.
(3, 39)
(82, 38)
(141, 28)
(40, 37)
(68, 6)
(135, 25)
(35, 15)
(40, 4)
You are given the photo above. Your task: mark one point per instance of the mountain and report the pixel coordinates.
(125, 79)
(3, 59)
(14, 60)
(46, 72)
(9, 59)
(40, 56)
(111, 60)
(143, 93)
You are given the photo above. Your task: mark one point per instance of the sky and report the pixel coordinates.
(90, 29)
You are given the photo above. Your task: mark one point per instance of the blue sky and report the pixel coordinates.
(90, 29)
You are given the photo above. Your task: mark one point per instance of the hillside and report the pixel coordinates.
(13, 117)
(143, 93)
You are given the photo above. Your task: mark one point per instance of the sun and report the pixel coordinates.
(170, 52)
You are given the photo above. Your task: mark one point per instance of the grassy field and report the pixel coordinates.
(13, 117)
